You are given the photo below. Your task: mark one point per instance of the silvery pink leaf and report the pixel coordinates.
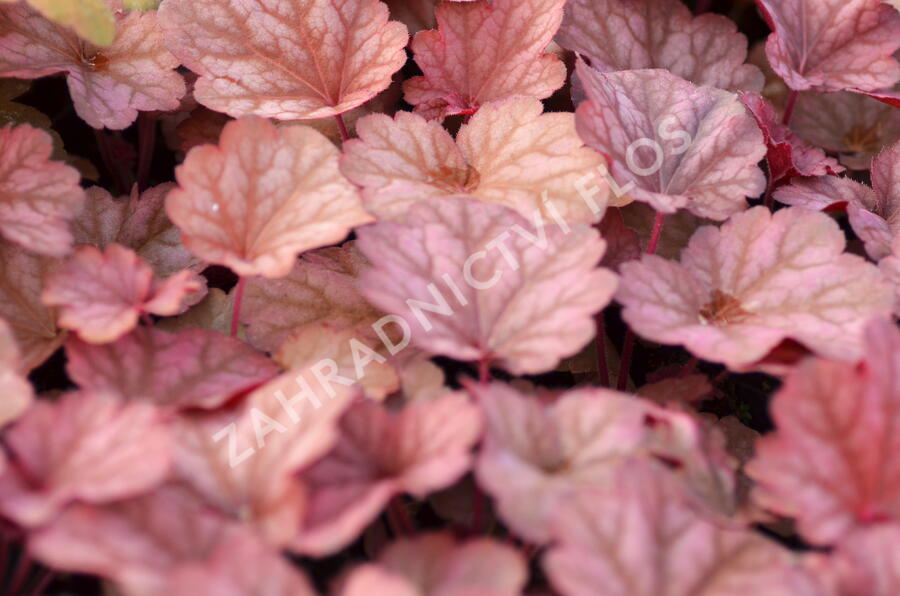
(137, 542)
(742, 289)
(477, 281)
(853, 126)
(193, 368)
(642, 536)
(86, 447)
(635, 34)
(108, 85)
(422, 448)
(832, 45)
(671, 143)
(539, 449)
(244, 461)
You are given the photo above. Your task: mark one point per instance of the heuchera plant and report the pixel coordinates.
(450, 297)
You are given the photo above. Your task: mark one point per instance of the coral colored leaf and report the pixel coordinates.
(634, 34)
(436, 564)
(255, 210)
(37, 196)
(108, 85)
(86, 447)
(102, 295)
(91, 19)
(241, 564)
(194, 368)
(832, 45)
(670, 143)
(321, 288)
(831, 462)
(788, 155)
(355, 351)
(508, 153)
(285, 60)
(16, 393)
(245, 462)
(476, 281)
(138, 542)
(138, 222)
(22, 277)
(539, 449)
(741, 289)
(641, 536)
(485, 51)
(421, 449)
(874, 213)
(851, 125)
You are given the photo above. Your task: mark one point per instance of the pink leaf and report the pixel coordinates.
(254, 211)
(137, 543)
(86, 447)
(623, 243)
(321, 288)
(421, 449)
(670, 143)
(285, 60)
(476, 281)
(15, 389)
(194, 368)
(741, 289)
(485, 51)
(347, 347)
(830, 464)
(865, 562)
(138, 222)
(101, 295)
(108, 85)
(788, 155)
(833, 45)
(874, 213)
(510, 153)
(22, 277)
(634, 34)
(245, 462)
(539, 449)
(436, 564)
(240, 565)
(890, 267)
(641, 536)
(849, 124)
(37, 196)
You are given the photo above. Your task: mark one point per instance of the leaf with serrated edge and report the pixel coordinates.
(285, 60)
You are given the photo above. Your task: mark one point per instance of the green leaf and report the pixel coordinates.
(91, 19)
